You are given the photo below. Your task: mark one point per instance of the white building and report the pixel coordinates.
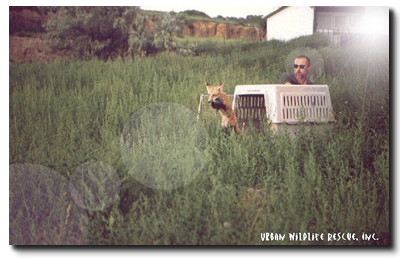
(289, 22)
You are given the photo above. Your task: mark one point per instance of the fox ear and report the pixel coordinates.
(208, 87)
(220, 87)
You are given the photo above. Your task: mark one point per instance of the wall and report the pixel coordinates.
(291, 22)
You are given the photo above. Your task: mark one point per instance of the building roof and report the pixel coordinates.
(342, 9)
(276, 11)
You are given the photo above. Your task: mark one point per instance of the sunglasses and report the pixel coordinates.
(301, 66)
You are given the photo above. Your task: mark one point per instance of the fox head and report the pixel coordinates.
(214, 95)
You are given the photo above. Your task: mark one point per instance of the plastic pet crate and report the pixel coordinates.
(282, 104)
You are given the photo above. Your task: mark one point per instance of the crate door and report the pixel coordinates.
(250, 110)
(303, 107)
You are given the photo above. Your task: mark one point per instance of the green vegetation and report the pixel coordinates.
(65, 114)
(92, 32)
(87, 33)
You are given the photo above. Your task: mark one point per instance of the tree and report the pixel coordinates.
(140, 41)
(87, 32)
(194, 13)
(165, 29)
(109, 32)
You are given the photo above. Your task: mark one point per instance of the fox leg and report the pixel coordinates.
(225, 125)
(236, 128)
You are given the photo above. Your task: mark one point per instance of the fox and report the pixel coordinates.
(220, 102)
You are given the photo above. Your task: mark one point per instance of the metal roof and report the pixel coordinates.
(342, 9)
(276, 11)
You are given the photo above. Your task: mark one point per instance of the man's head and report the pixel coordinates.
(301, 67)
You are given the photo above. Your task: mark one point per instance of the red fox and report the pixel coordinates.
(219, 101)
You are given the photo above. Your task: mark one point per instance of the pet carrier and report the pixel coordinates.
(282, 105)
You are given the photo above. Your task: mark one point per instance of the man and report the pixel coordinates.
(302, 66)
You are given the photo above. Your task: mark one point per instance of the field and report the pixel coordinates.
(111, 153)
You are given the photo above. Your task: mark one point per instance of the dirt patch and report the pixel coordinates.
(26, 21)
(227, 31)
(27, 49)
(205, 29)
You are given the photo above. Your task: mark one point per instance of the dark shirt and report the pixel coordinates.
(285, 77)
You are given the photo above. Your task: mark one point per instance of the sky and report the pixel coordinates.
(242, 8)
(214, 11)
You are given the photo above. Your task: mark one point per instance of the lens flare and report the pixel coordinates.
(375, 21)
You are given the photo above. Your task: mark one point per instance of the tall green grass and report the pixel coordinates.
(65, 114)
